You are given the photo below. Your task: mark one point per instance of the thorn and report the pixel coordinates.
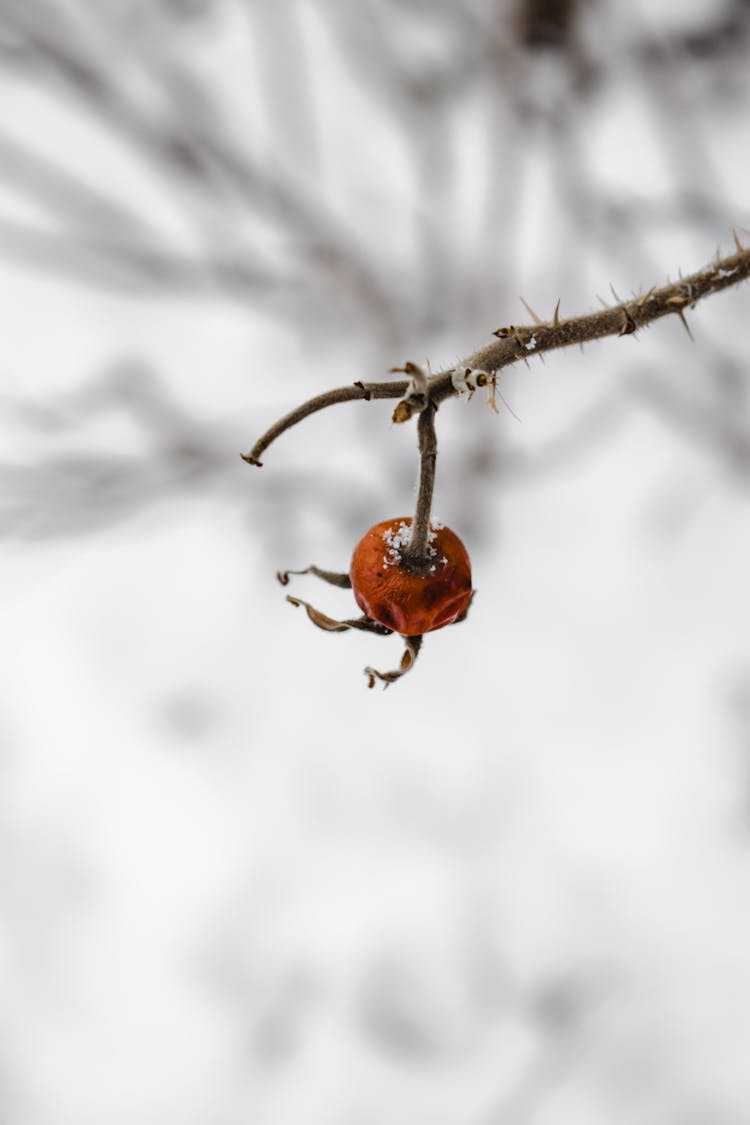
(530, 311)
(738, 244)
(646, 296)
(685, 324)
(491, 391)
(602, 302)
(409, 368)
(615, 294)
(628, 324)
(717, 258)
(556, 314)
(505, 403)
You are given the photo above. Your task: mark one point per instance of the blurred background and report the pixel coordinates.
(235, 886)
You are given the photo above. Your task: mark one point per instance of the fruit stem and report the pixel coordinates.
(415, 553)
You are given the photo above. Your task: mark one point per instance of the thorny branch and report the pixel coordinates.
(516, 343)
(622, 319)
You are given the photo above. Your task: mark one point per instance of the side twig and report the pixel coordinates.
(356, 391)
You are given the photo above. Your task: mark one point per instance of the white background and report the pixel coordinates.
(235, 886)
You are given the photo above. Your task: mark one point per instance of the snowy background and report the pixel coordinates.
(237, 888)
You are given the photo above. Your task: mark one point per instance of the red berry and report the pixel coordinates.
(410, 601)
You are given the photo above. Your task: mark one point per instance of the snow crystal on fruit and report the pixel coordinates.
(395, 541)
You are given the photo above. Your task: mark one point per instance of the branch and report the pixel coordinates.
(519, 343)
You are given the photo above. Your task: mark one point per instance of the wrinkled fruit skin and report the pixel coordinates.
(406, 601)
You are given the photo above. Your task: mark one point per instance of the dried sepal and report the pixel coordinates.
(413, 645)
(331, 625)
(332, 577)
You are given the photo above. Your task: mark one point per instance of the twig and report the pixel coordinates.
(356, 391)
(415, 553)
